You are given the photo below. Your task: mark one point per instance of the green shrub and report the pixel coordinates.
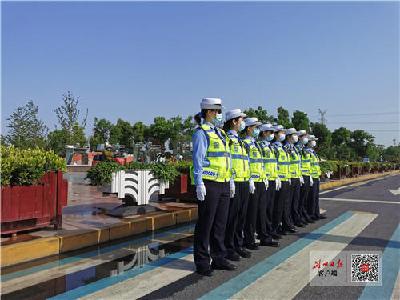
(101, 173)
(27, 166)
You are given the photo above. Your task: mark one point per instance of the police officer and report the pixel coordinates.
(271, 172)
(234, 124)
(287, 221)
(256, 183)
(212, 174)
(313, 209)
(305, 170)
(282, 196)
(296, 178)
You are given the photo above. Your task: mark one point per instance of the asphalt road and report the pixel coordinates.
(362, 217)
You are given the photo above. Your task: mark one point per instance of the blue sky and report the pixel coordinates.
(138, 60)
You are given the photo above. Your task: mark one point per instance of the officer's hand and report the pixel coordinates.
(232, 188)
(266, 184)
(311, 181)
(290, 181)
(252, 186)
(201, 191)
(277, 184)
(301, 180)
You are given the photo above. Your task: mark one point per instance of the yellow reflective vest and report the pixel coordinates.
(218, 155)
(305, 162)
(270, 162)
(240, 159)
(315, 171)
(257, 172)
(295, 163)
(283, 162)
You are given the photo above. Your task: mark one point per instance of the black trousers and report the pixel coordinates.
(256, 210)
(287, 221)
(244, 202)
(313, 200)
(210, 226)
(303, 204)
(296, 213)
(279, 204)
(270, 206)
(236, 217)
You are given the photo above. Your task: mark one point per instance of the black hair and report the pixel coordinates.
(197, 117)
(228, 124)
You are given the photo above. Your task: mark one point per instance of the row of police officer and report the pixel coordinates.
(261, 185)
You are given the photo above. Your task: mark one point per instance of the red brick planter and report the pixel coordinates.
(178, 187)
(35, 206)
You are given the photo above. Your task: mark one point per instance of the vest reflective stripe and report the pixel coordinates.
(315, 170)
(218, 155)
(283, 164)
(305, 163)
(270, 163)
(256, 161)
(240, 160)
(295, 168)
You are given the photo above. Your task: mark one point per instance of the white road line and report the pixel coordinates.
(147, 282)
(295, 270)
(358, 200)
(21, 282)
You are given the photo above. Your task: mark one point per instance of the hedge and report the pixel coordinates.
(27, 167)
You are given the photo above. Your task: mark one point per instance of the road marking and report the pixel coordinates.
(396, 290)
(332, 190)
(148, 282)
(395, 192)
(287, 279)
(390, 268)
(358, 200)
(231, 287)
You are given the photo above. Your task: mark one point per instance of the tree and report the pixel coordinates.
(26, 130)
(162, 129)
(392, 153)
(360, 142)
(324, 139)
(259, 113)
(341, 136)
(56, 140)
(68, 118)
(139, 131)
(124, 131)
(101, 131)
(300, 121)
(283, 118)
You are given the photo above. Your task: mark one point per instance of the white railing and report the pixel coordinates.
(140, 185)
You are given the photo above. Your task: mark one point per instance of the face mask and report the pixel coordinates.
(242, 126)
(282, 137)
(295, 139)
(218, 120)
(313, 144)
(269, 137)
(256, 132)
(304, 141)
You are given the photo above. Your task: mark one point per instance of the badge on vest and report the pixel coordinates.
(216, 145)
(236, 148)
(255, 153)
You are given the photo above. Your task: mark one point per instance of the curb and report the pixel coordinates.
(78, 239)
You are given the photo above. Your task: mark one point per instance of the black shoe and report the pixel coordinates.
(310, 220)
(206, 272)
(282, 232)
(271, 243)
(253, 246)
(298, 224)
(233, 257)
(291, 230)
(276, 236)
(226, 265)
(322, 216)
(243, 253)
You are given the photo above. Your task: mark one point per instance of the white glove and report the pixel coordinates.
(290, 182)
(301, 180)
(266, 184)
(232, 188)
(252, 186)
(311, 181)
(277, 184)
(201, 191)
